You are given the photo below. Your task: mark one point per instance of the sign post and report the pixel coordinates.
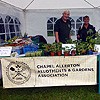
(98, 74)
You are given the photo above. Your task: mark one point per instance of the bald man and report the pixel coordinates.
(62, 28)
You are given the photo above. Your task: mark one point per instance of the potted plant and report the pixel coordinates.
(59, 48)
(90, 49)
(28, 54)
(52, 49)
(97, 39)
(71, 46)
(97, 43)
(69, 41)
(86, 47)
(90, 44)
(45, 48)
(38, 53)
(73, 50)
(81, 48)
(66, 51)
(32, 54)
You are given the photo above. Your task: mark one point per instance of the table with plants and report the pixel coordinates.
(81, 48)
(55, 49)
(31, 49)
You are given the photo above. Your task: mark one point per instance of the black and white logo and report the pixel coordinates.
(18, 72)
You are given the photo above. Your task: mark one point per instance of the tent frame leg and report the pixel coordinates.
(98, 73)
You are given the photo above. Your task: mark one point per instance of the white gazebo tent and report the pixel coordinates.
(34, 14)
(53, 4)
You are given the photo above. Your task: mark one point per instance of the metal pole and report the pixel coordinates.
(98, 74)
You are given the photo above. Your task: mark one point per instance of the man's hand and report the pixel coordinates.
(69, 36)
(78, 36)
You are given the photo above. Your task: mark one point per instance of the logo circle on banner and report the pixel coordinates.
(18, 72)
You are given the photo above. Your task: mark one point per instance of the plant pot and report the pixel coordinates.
(94, 53)
(59, 53)
(46, 53)
(52, 53)
(83, 52)
(90, 52)
(73, 52)
(66, 53)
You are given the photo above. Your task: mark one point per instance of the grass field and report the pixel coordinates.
(51, 93)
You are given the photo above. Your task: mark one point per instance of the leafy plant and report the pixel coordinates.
(58, 47)
(38, 53)
(69, 41)
(66, 49)
(28, 54)
(46, 47)
(97, 39)
(82, 47)
(52, 47)
(10, 41)
(33, 54)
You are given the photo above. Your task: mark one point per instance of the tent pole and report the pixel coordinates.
(89, 3)
(24, 19)
(98, 74)
(28, 4)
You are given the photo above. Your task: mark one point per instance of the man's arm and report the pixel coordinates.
(56, 30)
(78, 35)
(56, 37)
(69, 36)
(70, 31)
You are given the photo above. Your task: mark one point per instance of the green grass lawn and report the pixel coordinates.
(51, 93)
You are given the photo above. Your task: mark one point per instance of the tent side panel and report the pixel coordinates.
(36, 20)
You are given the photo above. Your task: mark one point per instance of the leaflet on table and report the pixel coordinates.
(5, 51)
(68, 45)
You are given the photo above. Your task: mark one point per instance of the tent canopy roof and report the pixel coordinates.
(53, 4)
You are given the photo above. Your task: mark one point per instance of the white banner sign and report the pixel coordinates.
(49, 71)
(5, 51)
